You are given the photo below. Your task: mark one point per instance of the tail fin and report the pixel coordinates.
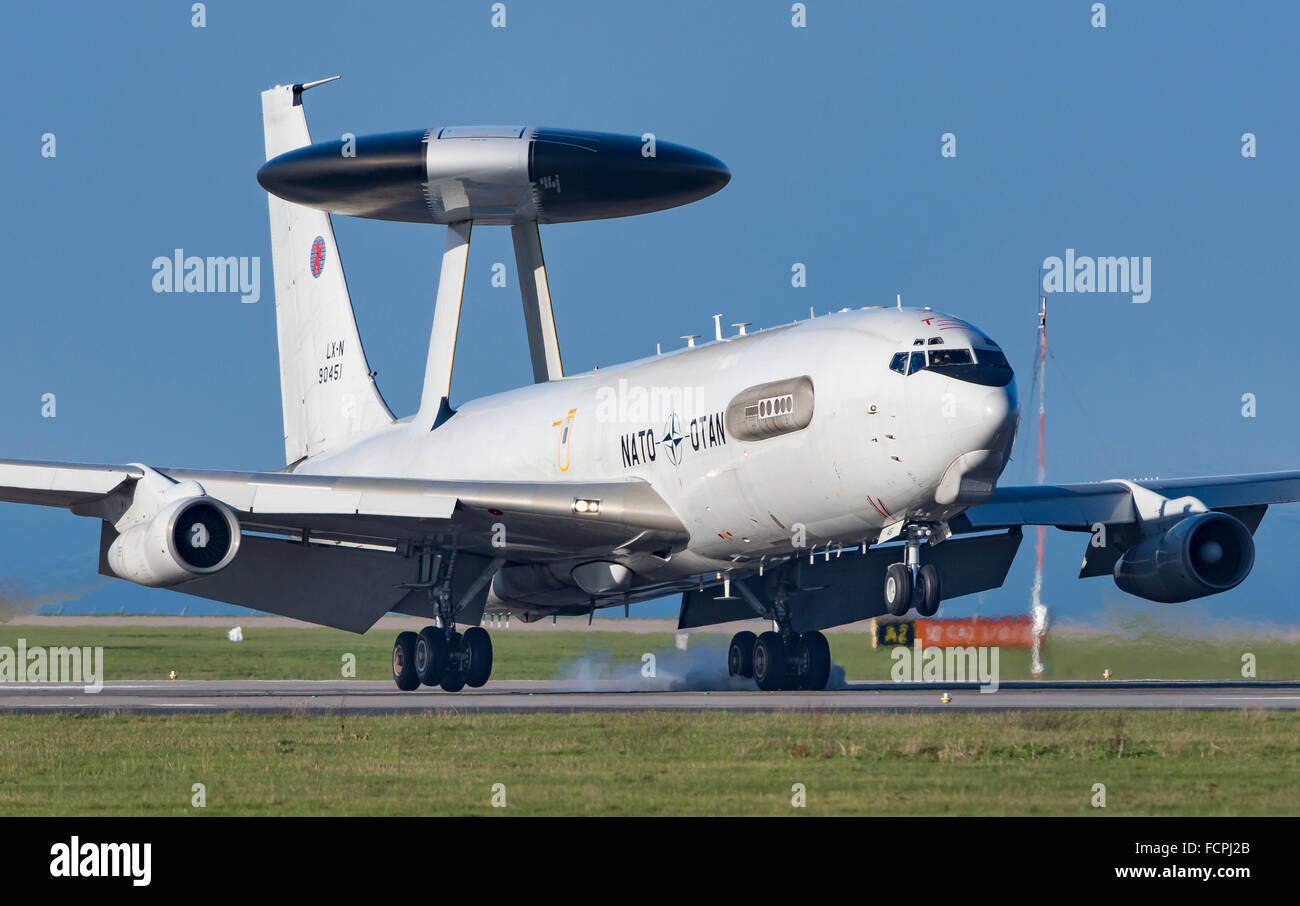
(326, 386)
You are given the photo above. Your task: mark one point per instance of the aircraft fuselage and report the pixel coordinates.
(829, 446)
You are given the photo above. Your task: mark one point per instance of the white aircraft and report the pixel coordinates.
(813, 474)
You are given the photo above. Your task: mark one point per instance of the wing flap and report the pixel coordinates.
(306, 500)
(346, 588)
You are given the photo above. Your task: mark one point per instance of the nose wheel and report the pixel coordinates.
(910, 584)
(898, 589)
(928, 591)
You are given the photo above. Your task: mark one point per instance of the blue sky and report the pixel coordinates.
(1117, 141)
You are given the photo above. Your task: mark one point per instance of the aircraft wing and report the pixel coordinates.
(539, 519)
(1080, 506)
(60, 484)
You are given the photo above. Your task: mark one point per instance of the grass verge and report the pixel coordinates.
(653, 763)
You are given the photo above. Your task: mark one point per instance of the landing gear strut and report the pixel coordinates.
(439, 655)
(780, 658)
(909, 584)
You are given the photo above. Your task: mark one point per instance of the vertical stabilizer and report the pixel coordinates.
(327, 389)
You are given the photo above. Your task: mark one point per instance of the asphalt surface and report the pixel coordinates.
(368, 697)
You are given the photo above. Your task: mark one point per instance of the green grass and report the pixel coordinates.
(138, 652)
(653, 763)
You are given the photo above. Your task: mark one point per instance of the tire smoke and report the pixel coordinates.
(700, 667)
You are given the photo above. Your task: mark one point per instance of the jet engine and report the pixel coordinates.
(188, 538)
(1200, 555)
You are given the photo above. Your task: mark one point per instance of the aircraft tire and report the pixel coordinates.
(404, 662)
(797, 661)
(431, 656)
(929, 591)
(476, 646)
(452, 678)
(819, 661)
(769, 661)
(898, 589)
(740, 654)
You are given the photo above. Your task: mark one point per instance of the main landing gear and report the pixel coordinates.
(779, 660)
(909, 584)
(442, 657)
(439, 655)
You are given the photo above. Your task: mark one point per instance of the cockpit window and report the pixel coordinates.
(992, 357)
(936, 341)
(941, 357)
(991, 369)
(981, 366)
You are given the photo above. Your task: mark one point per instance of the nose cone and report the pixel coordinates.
(1000, 410)
(1000, 419)
(1000, 406)
(378, 176)
(981, 446)
(602, 175)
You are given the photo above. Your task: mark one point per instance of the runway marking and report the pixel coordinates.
(561, 696)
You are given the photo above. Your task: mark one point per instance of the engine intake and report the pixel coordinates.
(1200, 555)
(192, 537)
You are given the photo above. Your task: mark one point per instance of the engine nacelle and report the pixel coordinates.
(1200, 555)
(188, 538)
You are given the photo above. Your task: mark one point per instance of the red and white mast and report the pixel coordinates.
(1037, 609)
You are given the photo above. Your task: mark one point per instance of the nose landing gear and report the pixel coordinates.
(909, 584)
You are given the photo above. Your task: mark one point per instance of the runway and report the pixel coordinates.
(369, 697)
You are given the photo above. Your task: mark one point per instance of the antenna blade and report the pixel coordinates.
(305, 85)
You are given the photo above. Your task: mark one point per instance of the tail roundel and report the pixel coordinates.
(327, 389)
